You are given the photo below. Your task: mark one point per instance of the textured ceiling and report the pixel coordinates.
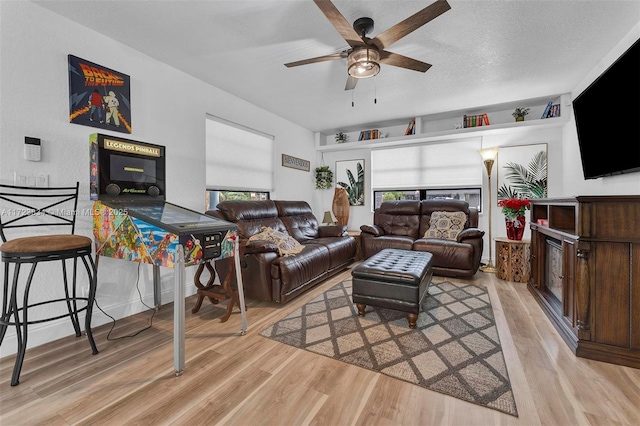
(483, 52)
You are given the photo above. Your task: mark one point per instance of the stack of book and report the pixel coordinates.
(552, 110)
(475, 120)
(411, 128)
(366, 135)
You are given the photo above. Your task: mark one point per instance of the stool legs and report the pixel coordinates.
(72, 306)
(6, 312)
(21, 336)
(92, 271)
(10, 308)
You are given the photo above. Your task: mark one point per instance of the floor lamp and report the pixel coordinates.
(489, 157)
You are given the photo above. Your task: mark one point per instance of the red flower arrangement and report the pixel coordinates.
(514, 207)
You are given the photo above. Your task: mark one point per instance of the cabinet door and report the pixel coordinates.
(569, 283)
(536, 260)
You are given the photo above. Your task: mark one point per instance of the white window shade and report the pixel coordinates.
(445, 164)
(238, 158)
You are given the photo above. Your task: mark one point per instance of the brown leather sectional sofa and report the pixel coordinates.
(270, 277)
(403, 224)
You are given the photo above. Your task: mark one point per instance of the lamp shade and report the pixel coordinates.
(329, 218)
(488, 158)
(364, 63)
(489, 153)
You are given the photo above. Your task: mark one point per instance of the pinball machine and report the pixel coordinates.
(133, 221)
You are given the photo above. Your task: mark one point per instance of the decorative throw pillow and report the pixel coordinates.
(446, 225)
(287, 245)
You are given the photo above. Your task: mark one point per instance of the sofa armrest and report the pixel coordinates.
(260, 246)
(470, 233)
(332, 231)
(374, 230)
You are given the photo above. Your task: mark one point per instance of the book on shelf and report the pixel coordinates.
(410, 128)
(551, 110)
(366, 135)
(475, 120)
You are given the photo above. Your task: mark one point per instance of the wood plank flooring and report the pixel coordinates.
(250, 380)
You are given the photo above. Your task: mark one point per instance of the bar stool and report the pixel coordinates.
(42, 207)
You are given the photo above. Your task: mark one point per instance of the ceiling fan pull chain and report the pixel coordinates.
(352, 103)
(375, 92)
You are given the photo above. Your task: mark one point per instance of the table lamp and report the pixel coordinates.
(329, 218)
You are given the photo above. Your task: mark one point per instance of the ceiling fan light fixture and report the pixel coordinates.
(364, 63)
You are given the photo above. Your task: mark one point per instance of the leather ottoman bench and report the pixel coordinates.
(393, 279)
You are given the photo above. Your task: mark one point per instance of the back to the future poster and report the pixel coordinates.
(98, 96)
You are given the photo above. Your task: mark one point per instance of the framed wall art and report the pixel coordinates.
(350, 176)
(522, 171)
(98, 96)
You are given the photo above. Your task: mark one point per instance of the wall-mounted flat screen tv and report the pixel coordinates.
(607, 115)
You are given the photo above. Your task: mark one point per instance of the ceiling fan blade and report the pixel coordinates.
(412, 23)
(351, 83)
(316, 59)
(340, 23)
(396, 60)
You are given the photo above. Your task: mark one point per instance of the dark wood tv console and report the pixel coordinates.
(585, 273)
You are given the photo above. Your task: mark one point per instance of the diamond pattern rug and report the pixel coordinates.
(454, 349)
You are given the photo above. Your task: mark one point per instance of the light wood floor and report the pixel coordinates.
(251, 380)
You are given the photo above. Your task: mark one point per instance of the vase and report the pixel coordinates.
(515, 227)
(341, 206)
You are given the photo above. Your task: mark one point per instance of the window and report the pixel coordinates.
(445, 169)
(239, 162)
(472, 196)
(214, 196)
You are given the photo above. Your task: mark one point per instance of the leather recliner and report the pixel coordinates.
(268, 276)
(403, 224)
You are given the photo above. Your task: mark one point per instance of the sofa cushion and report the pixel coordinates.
(298, 218)
(399, 218)
(251, 216)
(427, 207)
(340, 248)
(287, 245)
(446, 225)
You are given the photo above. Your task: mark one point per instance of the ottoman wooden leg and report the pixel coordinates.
(412, 318)
(361, 307)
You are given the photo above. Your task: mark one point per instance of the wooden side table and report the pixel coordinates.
(356, 235)
(512, 258)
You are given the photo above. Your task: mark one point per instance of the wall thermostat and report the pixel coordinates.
(31, 149)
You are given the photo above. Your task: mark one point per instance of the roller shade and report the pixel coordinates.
(435, 165)
(238, 158)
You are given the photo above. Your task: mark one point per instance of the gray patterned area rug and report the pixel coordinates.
(454, 349)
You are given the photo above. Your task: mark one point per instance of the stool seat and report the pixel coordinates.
(45, 243)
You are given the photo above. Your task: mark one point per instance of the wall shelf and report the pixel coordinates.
(440, 127)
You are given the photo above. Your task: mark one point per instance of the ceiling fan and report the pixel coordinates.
(366, 54)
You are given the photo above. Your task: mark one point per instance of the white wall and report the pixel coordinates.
(575, 184)
(168, 108)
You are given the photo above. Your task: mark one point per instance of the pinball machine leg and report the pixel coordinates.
(178, 312)
(236, 259)
(156, 287)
